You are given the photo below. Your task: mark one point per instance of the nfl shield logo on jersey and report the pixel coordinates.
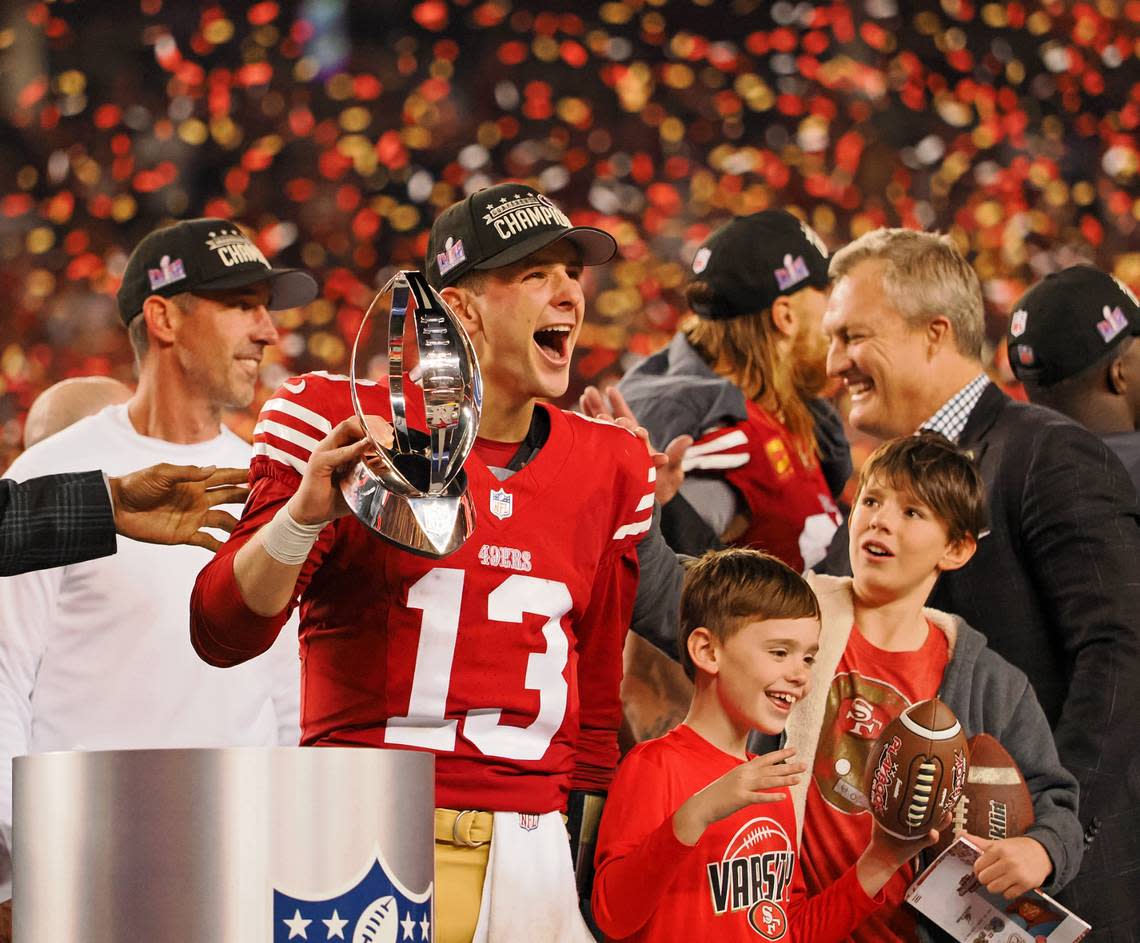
(376, 909)
(502, 504)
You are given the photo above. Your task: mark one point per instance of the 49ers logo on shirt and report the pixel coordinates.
(754, 876)
(507, 558)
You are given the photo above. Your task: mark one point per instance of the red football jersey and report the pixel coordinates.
(792, 514)
(475, 656)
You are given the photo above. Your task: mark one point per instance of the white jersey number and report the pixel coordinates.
(438, 595)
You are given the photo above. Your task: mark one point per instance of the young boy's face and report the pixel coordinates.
(897, 541)
(764, 669)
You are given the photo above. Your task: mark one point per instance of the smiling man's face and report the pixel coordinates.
(882, 359)
(221, 339)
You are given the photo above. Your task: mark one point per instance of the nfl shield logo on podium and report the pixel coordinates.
(376, 909)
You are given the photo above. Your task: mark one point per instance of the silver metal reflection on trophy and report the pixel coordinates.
(415, 493)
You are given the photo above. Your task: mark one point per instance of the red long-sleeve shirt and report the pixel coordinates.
(740, 882)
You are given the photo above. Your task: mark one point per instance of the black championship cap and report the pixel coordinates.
(751, 261)
(1068, 321)
(501, 225)
(205, 255)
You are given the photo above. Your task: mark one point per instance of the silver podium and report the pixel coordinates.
(238, 845)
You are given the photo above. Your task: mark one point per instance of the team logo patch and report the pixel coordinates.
(795, 270)
(1017, 322)
(767, 918)
(168, 271)
(376, 909)
(528, 821)
(701, 259)
(1025, 355)
(502, 504)
(451, 255)
(778, 456)
(1114, 322)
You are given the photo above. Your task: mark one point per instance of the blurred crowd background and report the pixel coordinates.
(335, 131)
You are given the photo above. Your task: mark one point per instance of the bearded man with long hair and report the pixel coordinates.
(744, 377)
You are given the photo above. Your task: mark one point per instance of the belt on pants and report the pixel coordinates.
(467, 827)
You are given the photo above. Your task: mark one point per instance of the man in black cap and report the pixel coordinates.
(742, 376)
(96, 654)
(1072, 343)
(504, 658)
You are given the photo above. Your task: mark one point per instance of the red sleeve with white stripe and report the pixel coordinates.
(718, 451)
(223, 630)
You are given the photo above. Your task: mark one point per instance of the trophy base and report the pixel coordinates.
(434, 526)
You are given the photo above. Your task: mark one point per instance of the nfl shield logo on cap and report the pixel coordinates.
(502, 504)
(1018, 322)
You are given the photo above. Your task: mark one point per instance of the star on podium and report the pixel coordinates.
(297, 925)
(335, 923)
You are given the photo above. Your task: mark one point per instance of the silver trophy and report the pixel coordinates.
(415, 495)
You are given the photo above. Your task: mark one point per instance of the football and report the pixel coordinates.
(917, 769)
(380, 922)
(995, 802)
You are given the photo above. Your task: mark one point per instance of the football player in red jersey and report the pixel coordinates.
(476, 656)
(743, 378)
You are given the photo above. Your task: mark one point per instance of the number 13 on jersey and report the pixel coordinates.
(438, 594)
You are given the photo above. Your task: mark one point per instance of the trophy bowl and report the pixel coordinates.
(415, 493)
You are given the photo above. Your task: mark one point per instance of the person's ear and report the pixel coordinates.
(1117, 381)
(939, 334)
(784, 316)
(958, 553)
(461, 302)
(703, 650)
(163, 318)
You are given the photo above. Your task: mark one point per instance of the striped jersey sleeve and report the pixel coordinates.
(718, 450)
(300, 414)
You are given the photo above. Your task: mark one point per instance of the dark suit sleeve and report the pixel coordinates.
(834, 449)
(1082, 538)
(53, 521)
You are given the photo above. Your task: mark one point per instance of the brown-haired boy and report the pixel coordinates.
(698, 839)
(919, 510)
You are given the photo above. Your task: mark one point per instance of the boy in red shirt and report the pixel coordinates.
(698, 838)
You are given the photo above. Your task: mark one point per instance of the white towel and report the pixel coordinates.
(529, 893)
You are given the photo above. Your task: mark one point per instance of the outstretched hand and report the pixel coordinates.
(170, 504)
(762, 779)
(612, 407)
(318, 498)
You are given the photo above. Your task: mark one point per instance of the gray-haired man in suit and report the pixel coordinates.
(1055, 582)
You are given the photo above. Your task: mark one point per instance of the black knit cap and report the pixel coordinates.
(205, 255)
(1067, 322)
(751, 261)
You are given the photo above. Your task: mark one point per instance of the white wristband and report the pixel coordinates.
(287, 541)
